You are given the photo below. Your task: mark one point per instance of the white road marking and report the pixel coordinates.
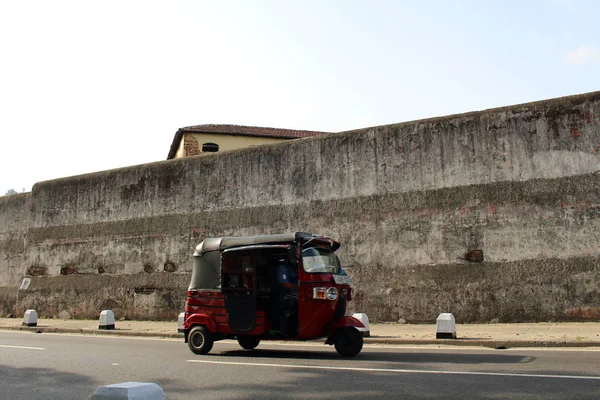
(103, 336)
(402, 371)
(22, 347)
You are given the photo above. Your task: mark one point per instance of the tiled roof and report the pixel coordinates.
(239, 130)
(251, 131)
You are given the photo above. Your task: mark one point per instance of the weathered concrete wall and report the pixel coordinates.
(539, 239)
(518, 186)
(14, 221)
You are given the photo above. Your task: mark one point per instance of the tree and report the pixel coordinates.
(11, 191)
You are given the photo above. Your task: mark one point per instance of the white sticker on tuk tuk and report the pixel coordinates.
(342, 279)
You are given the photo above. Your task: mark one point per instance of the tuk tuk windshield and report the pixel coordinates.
(317, 260)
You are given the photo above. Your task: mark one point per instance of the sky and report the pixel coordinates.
(90, 86)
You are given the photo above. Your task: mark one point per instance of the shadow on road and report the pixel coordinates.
(365, 355)
(44, 383)
(361, 385)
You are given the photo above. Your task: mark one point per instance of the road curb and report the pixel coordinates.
(489, 343)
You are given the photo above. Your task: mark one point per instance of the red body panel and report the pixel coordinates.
(200, 319)
(348, 321)
(204, 307)
(316, 316)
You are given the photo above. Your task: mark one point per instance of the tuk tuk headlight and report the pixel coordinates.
(332, 293)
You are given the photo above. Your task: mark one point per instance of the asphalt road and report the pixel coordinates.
(59, 366)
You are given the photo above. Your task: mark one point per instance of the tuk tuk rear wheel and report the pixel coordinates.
(348, 341)
(200, 340)
(248, 343)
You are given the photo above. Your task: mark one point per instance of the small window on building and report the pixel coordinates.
(210, 148)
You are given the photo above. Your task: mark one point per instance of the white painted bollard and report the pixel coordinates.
(129, 391)
(362, 317)
(30, 318)
(180, 320)
(445, 326)
(107, 320)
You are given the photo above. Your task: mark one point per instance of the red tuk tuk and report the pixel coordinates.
(269, 287)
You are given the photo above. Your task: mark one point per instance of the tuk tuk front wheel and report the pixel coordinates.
(200, 340)
(248, 343)
(348, 341)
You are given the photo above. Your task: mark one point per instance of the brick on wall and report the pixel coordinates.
(190, 145)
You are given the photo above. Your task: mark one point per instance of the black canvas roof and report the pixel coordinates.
(222, 243)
